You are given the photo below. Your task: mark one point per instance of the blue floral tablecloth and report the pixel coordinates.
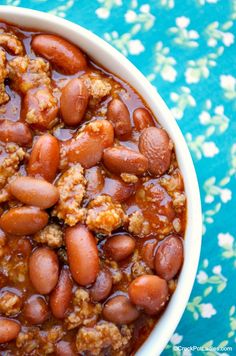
(186, 48)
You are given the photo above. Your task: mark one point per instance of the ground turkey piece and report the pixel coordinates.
(27, 73)
(98, 88)
(139, 267)
(84, 312)
(4, 97)
(138, 225)
(103, 335)
(10, 164)
(11, 43)
(52, 235)
(104, 215)
(10, 303)
(71, 186)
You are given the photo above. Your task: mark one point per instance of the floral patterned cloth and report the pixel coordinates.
(186, 48)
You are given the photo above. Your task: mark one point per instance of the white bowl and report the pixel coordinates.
(115, 62)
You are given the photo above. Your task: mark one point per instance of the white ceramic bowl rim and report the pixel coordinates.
(115, 62)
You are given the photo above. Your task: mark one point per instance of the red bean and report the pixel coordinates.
(82, 254)
(64, 348)
(9, 330)
(155, 144)
(149, 292)
(35, 310)
(62, 54)
(142, 119)
(43, 269)
(124, 160)
(117, 189)
(102, 286)
(26, 220)
(74, 101)
(169, 257)
(44, 158)
(95, 181)
(118, 115)
(16, 132)
(148, 253)
(88, 146)
(119, 247)
(35, 192)
(120, 310)
(61, 296)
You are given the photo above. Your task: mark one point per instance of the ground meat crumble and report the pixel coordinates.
(71, 187)
(52, 235)
(10, 303)
(138, 225)
(104, 215)
(103, 335)
(11, 43)
(4, 97)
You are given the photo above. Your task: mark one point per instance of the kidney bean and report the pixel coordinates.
(64, 348)
(44, 158)
(119, 247)
(142, 119)
(155, 144)
(120, 310)
(118, 114)
(39, 108)
(148, 253)
(35, 310)
(26, 220)
(117, 189)
(88, 147)
(95, 181)
(149, 292)
(35, 192)
(43, 269)
(9, 330)
(169, 257)
(62, 54)
(102, 286)
(74, 101)
(61, 296)
(82, 254)
(124, 160)
(16, 132)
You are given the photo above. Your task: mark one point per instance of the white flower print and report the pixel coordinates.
(217, 269)
(202, 277)
(135, 47)
(102, 13)
(210, 149)
(228, 39)
(176, 339)
(204, 118)
(225, 240)
(145, 8)
(182, 21)
(207, 310)
(130, 16)
(169, 73)
(225, 195)
(227, 82)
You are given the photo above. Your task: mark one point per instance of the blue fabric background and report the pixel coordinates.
(186, 48)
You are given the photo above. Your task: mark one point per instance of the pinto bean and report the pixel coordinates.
(102, 286)
(149, 292)
(62, 54)
(120, 310)
(148, 253)
(88, 146)
(142, 119)
(26, 220)
(82, 254)
(61, 296)
(119, 247)
(35, 310)
(43, 269)
(44, 158)
(118, 115)
(95, 181)
(169, 257)
(39, 108)
(35, 192)
(156, 145)
(74, 101)
(117, 189)
(9, 329)
(124, 160)
(16, 132)
(64, 348)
